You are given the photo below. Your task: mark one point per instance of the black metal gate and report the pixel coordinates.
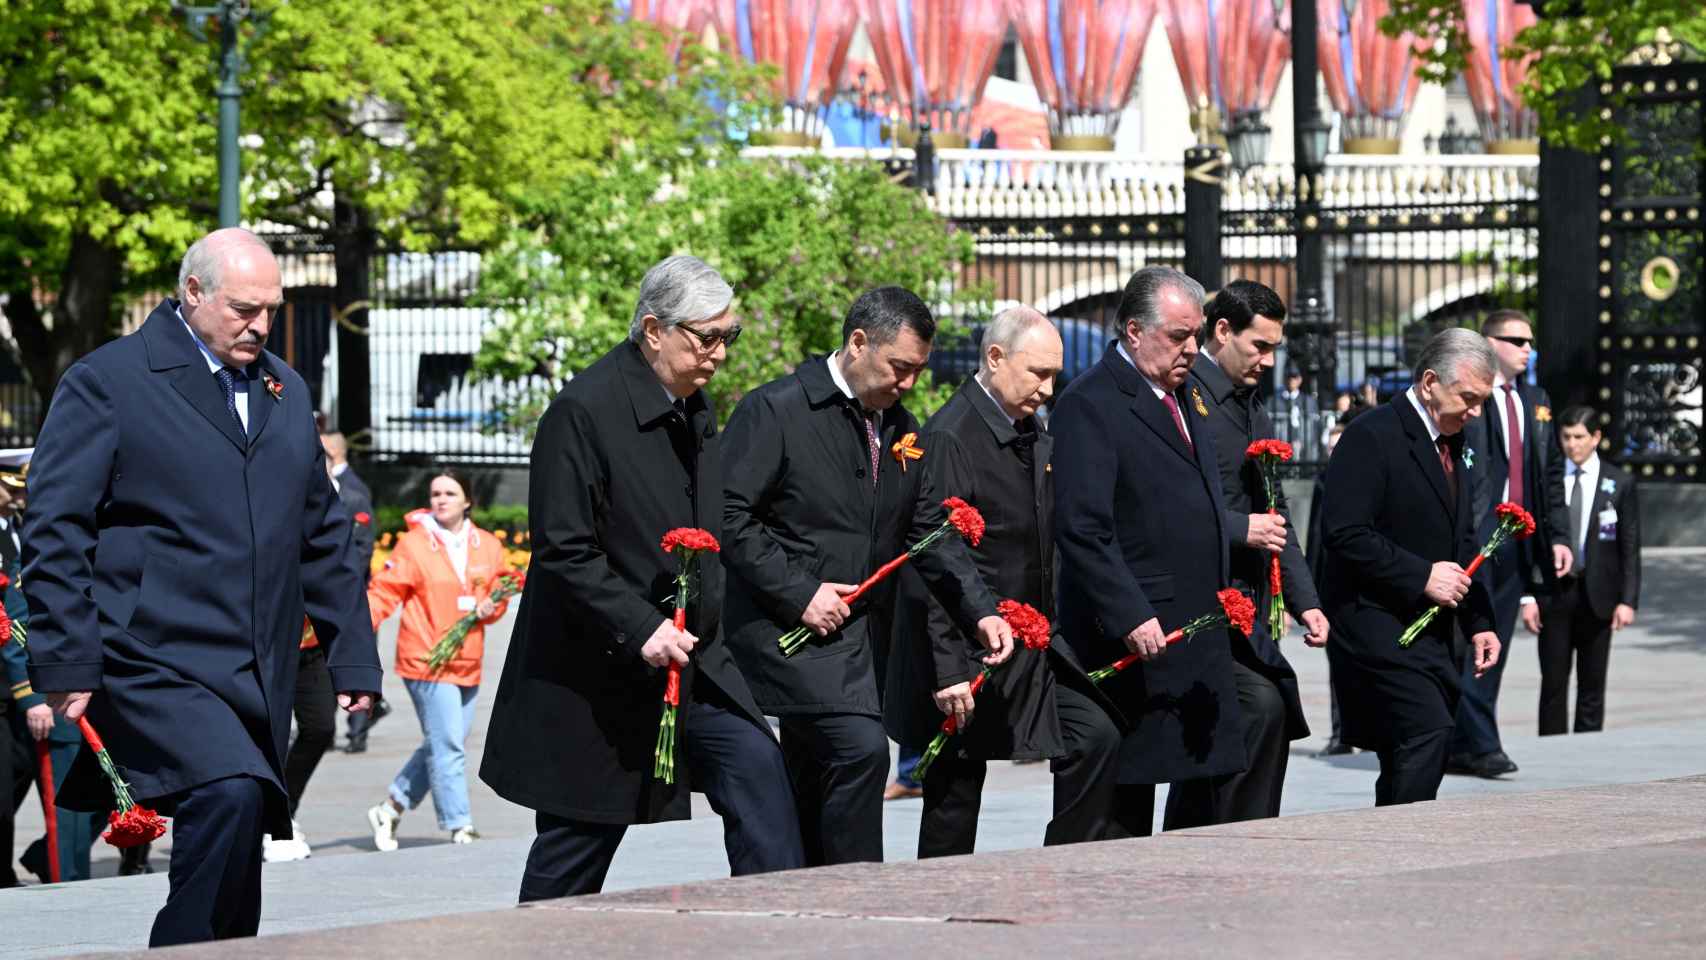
(1651, 309)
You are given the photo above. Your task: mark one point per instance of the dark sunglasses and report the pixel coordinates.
(1516, 341)
(709, 341)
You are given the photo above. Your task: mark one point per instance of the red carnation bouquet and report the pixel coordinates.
(687, 543)
(1032, 629)
(508, 584)
(1236, 610)
(132, 824)
(1515, 522)
(962, 517)
(5, 621)
(1269, 454)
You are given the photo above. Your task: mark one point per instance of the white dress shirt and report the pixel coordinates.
(1427, 418)
(213, 365)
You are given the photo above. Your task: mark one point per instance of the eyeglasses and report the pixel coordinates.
(709, 341)
(1516, 341)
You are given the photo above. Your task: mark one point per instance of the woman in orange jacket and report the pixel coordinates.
(442, 569)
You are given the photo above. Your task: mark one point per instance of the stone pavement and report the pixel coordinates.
(1656, 724)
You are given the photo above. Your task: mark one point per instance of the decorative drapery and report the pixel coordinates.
(936, 57)
(1084, 56)
(1370, 77)
(684, 19)
(806, 40)
(1495, 80)
(1230, 55)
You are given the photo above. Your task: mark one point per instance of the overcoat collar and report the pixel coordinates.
(646, 393)
(171, 348)
(1426, 454)
(990, 412)
(1146, 404)
(820, 387)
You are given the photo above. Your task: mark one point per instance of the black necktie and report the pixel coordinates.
(1578, 510)
(228, 379)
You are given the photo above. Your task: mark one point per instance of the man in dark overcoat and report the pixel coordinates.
(181, 524)
(1515, 456)
(1245, 324)
(628, 451)
(818, 503)
(1398, 531)
(1141, 533)
(985, 447)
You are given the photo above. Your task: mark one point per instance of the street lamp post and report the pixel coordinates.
(229, 14)
(1310, 330)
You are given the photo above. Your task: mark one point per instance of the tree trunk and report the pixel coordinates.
(82, 316)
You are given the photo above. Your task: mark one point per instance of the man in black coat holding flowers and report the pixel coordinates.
(985, 447)
(1245, 323)
(1398, 530)
(1140, 528)
(626, 453)
(819, 502)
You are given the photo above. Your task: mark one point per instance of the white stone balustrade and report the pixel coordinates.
(1027, 184)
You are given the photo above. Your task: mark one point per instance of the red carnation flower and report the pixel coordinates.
(1520, 520)
(134, 827)
(1514, 521)
(363, 517)
(965, 519)
(1278, 449)
(1239, 610)
(689, 538)
(1028, 623)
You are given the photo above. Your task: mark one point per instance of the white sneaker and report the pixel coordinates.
(464, 835)
(383, 818)
(284, 851)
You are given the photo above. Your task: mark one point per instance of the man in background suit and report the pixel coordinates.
(1397, 531)
(185, 455)
(1245, 324)
(1598, 596)
(1142, 543)
(358, 500)
(1512, 452)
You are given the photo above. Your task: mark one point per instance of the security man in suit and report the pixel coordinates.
(1141, 533)
(1513, 456)
(1245, 324)
(1398, 530)
(1600, 594)
(181, 523)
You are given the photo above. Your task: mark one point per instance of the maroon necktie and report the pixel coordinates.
(1178, 421)
(870, 418)
(1514, 419)
(1446, 463)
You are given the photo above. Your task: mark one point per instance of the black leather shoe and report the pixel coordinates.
(134, 860)
(1462, 764)
(1335, 749)
(357, 743)
(1493, 765)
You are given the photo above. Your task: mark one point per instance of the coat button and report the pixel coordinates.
(860, 473)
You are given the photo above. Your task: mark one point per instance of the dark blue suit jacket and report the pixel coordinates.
(169, 560)
(1140, 534)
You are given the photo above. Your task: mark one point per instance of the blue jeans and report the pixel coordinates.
(446, 712)
(905, 763)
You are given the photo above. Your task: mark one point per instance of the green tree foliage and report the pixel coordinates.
(1576, 45)
(797, 241)
(414, 121)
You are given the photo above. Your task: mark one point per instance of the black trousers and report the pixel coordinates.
(15, 782)
(1478, 708)
(741, 772)
(1254, 793)
(215, 875)
(316, 708)
(838, 765)
(1412, 770)
(1083, 785)
(1570, 630)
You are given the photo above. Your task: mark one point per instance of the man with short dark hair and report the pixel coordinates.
(184, 457)
(1245, 324)
(1514, 455)
(1599, 594)
(1296, 414)
(1397, 529)
(1141, 535)
(815, 502)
